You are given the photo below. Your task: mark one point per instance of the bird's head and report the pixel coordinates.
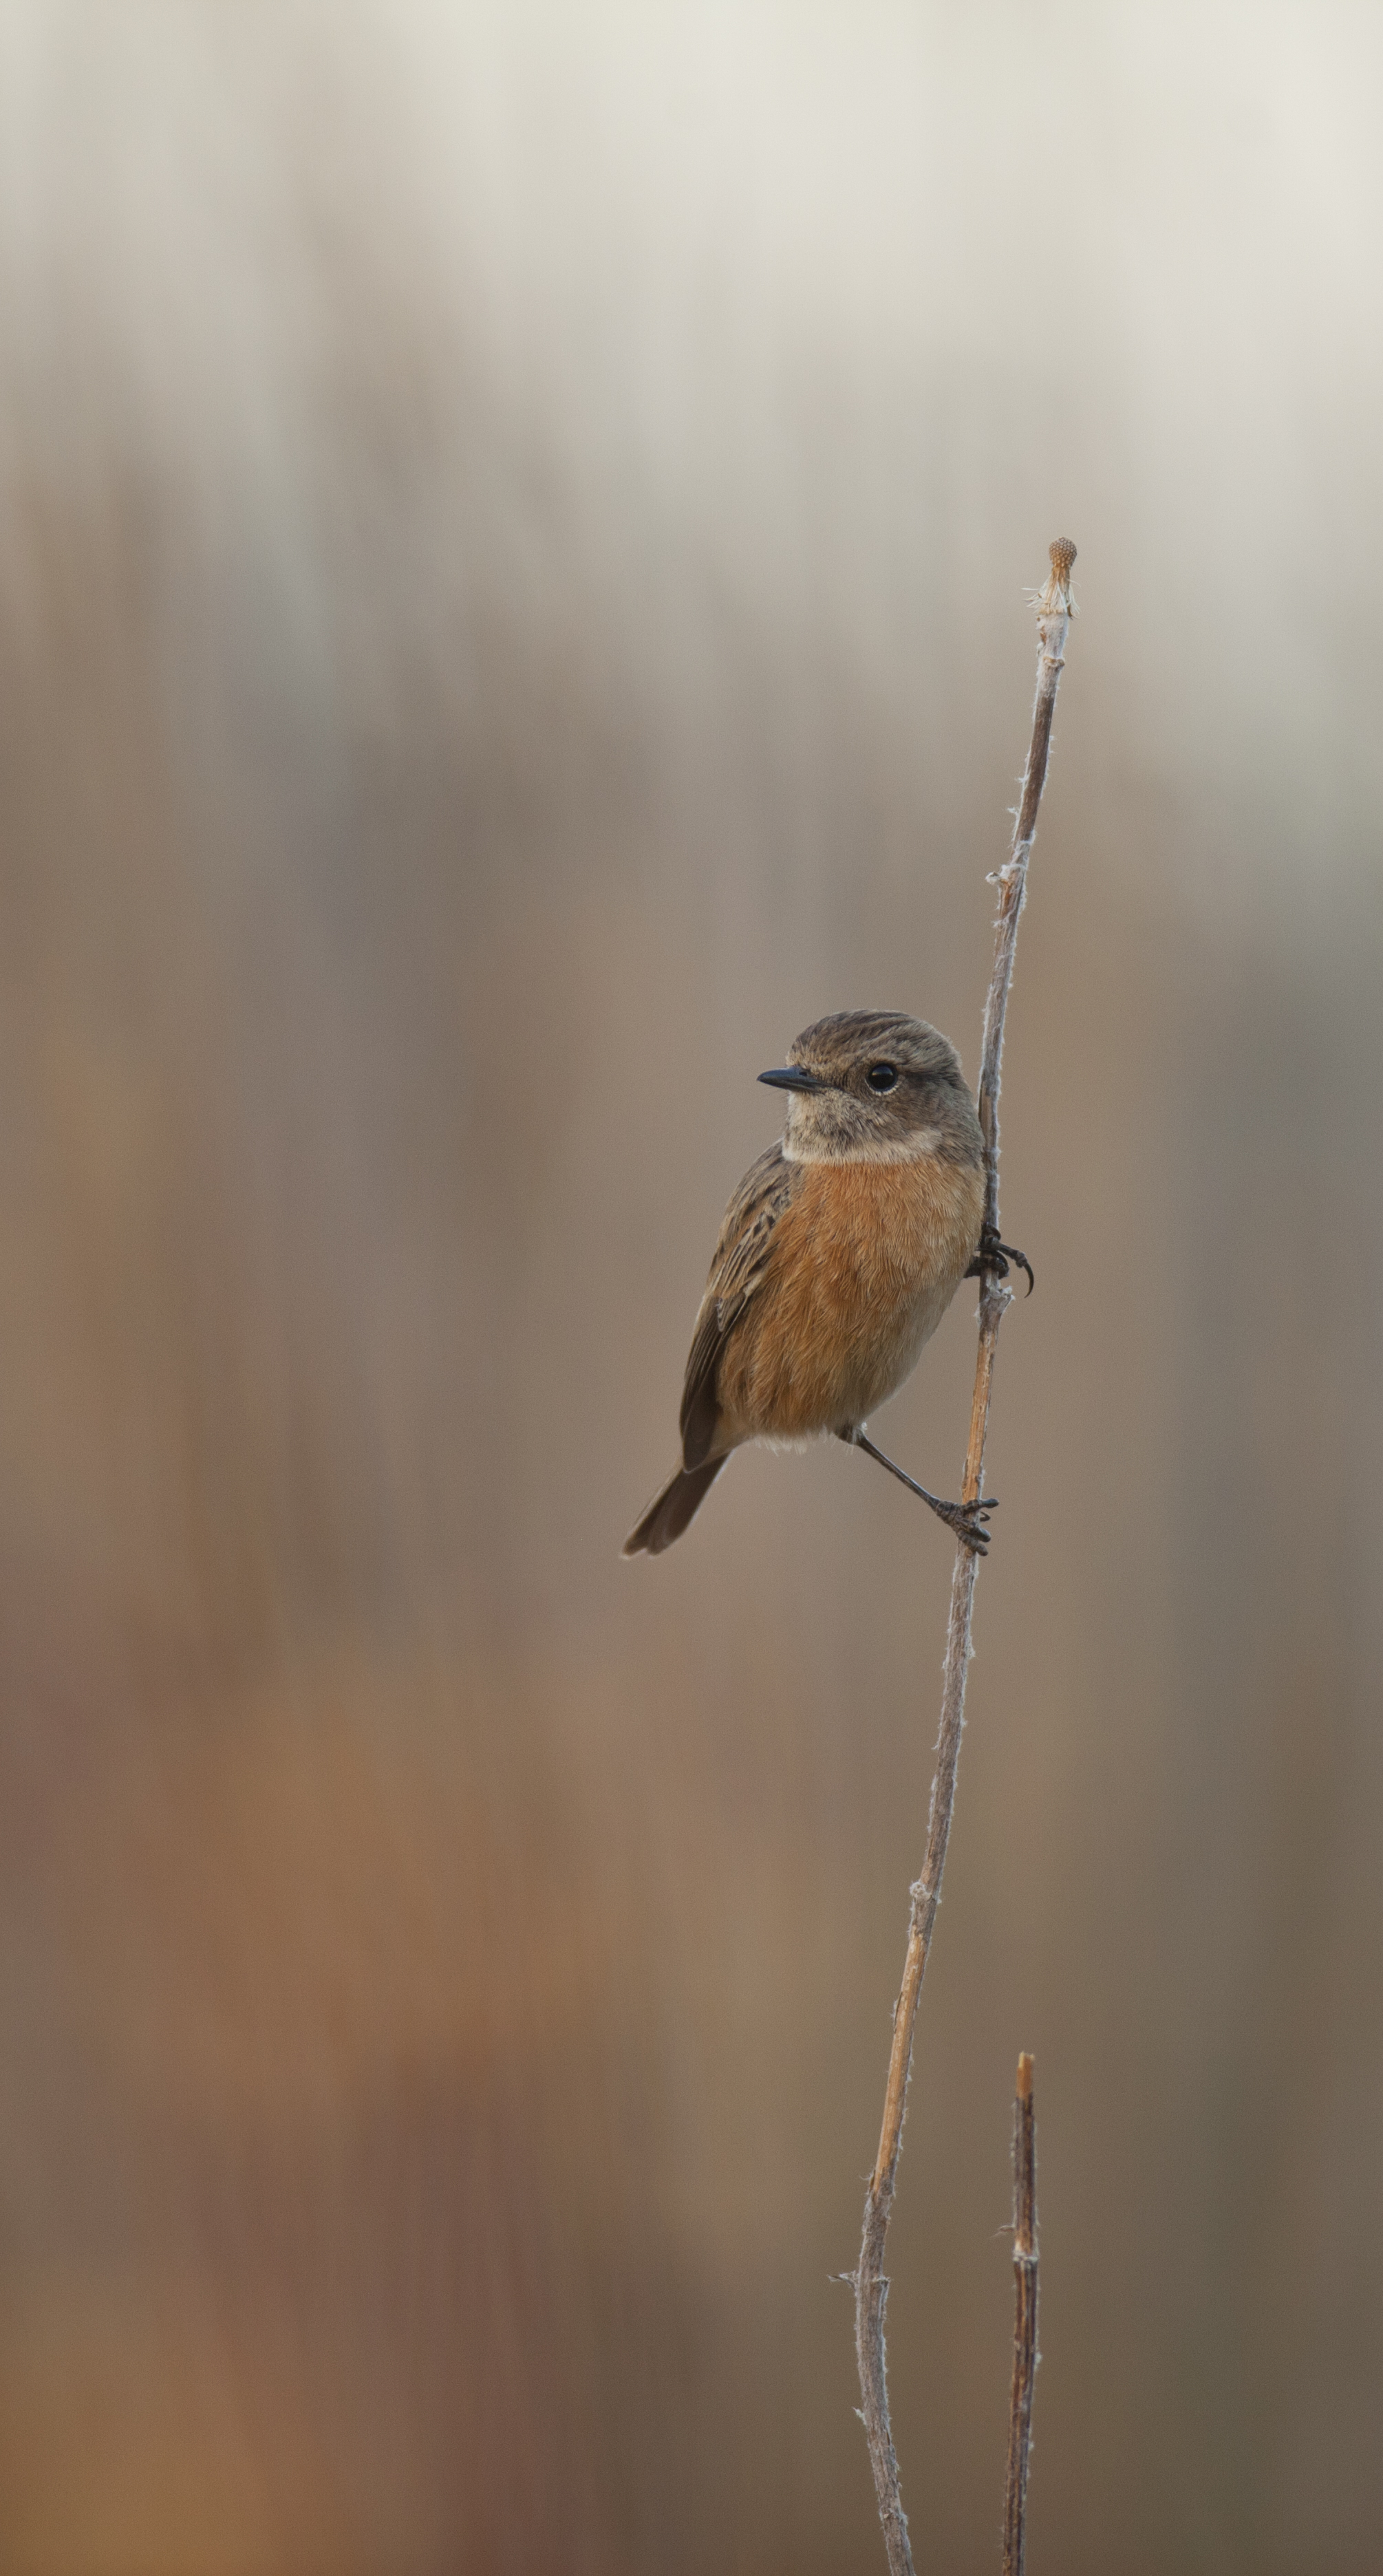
(875, 1087)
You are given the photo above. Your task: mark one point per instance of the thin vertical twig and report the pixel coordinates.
(1025, 2355)
(1054, 611)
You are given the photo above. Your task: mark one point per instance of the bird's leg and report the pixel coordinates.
(968, 1520)
(995, 1256)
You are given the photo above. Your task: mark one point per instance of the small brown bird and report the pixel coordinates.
(839, 1254)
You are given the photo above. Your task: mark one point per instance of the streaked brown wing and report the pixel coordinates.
(742, 1256)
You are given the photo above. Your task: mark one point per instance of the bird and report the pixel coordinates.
(838, 1255)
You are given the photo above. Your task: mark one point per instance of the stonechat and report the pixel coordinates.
(838, 1256)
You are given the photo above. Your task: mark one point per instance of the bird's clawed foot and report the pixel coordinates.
(968, 1520)
(993, 1258)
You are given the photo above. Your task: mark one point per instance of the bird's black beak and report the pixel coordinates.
(794, 1077)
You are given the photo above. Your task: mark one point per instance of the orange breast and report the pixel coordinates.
(865, 1262)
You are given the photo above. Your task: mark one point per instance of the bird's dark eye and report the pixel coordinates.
(882, 1077)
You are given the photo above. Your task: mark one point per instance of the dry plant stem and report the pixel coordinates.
(1024, 2320)
(1054, 609)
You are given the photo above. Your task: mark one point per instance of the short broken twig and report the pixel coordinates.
(1025, 2353)
(1054, 610)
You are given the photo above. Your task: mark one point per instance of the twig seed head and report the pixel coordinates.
(1056, 600)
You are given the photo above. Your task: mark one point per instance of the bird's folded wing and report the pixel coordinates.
(742, 1257)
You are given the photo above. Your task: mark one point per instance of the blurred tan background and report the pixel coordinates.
(513, 525)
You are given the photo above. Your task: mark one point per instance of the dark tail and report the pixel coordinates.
(669, 1512)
